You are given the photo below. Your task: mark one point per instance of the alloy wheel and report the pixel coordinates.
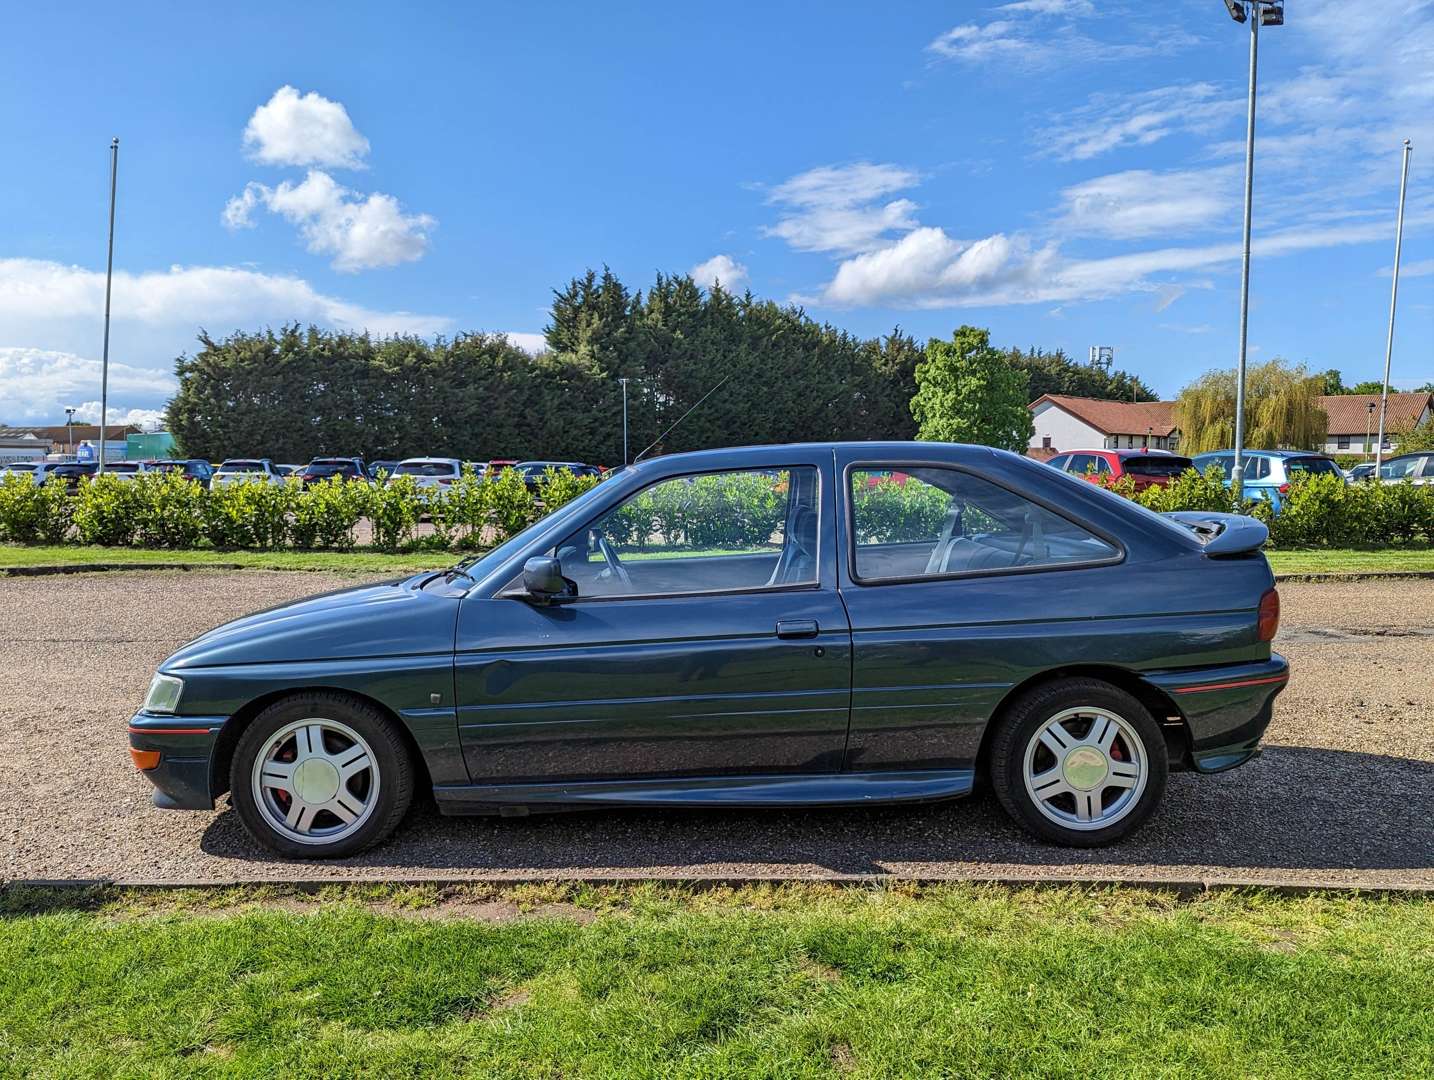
(315, 781)
(1085, 768)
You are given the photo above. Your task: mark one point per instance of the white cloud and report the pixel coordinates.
(157, 315)
(720, 268)
(1140, 203)
(1042, 35)
(836, 208)
(1052, 7)
(1113, 121)
(533, 344)
(88, 412)
(926, 263)
(361, 232)
(1420, 268)
(304, 129)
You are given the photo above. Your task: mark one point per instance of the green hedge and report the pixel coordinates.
(172, 511)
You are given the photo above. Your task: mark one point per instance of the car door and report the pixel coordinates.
(957, 589)
(707, 637)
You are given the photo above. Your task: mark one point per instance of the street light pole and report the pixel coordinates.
(624, 420)
(1368, 425)
(70, 429)
(1393, 299)
(1237, 475)
(109, 278)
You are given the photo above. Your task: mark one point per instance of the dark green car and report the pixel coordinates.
(767, 626)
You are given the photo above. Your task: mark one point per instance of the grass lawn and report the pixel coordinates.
(1351, 560)
(780, 981)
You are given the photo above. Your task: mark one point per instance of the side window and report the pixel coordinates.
(1102, 466)
(1081, 464)
(708, 532)
(932, 521)
(1059, 462)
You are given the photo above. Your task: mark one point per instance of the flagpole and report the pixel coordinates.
(109, 278)
(1393, 298)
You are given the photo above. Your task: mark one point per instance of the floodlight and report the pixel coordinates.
(1236, 9)
(1272, 13)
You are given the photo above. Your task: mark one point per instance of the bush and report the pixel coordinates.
(325, 515)
(248, 514)
(105, 509)
(460, 512)
(511, 504)
(558, 487)
(168, 510)
(393, 511)
(34, 513)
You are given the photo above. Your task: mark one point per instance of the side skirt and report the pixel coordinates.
(828, 789)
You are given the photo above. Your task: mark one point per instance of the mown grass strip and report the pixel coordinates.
(652, 981)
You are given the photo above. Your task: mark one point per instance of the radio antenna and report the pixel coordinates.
(683, 417)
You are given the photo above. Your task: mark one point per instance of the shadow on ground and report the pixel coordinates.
(1295, 808)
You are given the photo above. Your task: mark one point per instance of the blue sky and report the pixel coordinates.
(1066, 172)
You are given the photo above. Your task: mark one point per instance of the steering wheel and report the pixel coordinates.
(614, 565)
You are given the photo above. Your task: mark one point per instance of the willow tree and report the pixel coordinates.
(1281, 410)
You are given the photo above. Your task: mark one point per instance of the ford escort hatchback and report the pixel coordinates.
(768, 626)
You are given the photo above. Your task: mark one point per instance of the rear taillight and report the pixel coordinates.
(1269, 622)
(445, 479)
(1284, 489)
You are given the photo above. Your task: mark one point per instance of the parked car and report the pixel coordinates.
(1146, 468)
(322, 468)
(532, 471)
(497, 465)
(197, 469)
(1418, 468)
(246, 471)
(429, 472)
(1268, 472)
(287, 471)
(799, 639)
(38, 471)
(128, 470)
(72, 472)
(378, 469)
(1363, 471)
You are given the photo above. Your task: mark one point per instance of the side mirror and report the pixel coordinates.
(543, 579)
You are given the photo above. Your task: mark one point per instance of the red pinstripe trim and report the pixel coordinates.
(1231, 685)
(169, 730)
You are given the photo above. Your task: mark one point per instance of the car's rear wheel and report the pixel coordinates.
(320, 775)
(1079, 762)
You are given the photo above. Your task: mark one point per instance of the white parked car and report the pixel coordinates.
(1418, 467)
(435, 473)
(128, 470)
(37, 471)
(246, 471)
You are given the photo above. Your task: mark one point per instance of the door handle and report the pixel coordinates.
(797, 628)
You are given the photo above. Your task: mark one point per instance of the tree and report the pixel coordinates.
(1281, 410)
(1333, 382)
(1056, 373)
(1369, 386)
(968, 391)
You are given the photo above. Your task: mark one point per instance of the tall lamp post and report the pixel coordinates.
(70, 429)
(624, 420)
(109, 277)
(1393, 297)
(1368, 425)
(1257, 13)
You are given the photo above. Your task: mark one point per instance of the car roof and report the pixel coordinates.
(430, 461)
(1270, 453)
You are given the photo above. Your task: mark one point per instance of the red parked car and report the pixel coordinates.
(1148, 468)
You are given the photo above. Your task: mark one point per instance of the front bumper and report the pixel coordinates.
(185, 745)
(1226, 708)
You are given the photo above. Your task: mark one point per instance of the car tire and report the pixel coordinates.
(321, 775)
(1055, 778)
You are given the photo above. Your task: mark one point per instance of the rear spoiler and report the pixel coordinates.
(1223, 534)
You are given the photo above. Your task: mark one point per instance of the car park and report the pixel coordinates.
(1269, 473)
(808, 633)
(1146, 468)
(431, 473)
(196, 469)
(325, 468)
(246, 471)
(1408, 468)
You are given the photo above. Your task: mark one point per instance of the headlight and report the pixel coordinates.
(163, 696)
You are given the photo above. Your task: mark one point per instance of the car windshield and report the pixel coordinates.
(242, 466)
(1399, 468)
(537, 468)
(1316, 465)
(1156, 465)
(20, 466)
(329, 468)
(425, 468)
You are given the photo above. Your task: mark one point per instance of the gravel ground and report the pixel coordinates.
(1341, 794)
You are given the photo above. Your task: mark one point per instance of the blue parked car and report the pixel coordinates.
(1268, 472)
(768, 626)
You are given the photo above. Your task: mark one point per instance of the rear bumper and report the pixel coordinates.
(185, 745)
(1226, 708)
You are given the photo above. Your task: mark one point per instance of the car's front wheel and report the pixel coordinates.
(321, 775)
(1079, 762)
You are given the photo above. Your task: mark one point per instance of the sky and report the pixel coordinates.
(1067, 173)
